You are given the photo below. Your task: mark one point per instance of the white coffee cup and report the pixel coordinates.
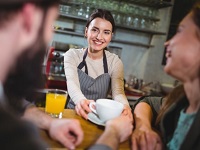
(106, 109)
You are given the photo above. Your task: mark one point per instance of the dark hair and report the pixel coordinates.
(104, 14)
(196, 14)
(8, 11)
(196, 17)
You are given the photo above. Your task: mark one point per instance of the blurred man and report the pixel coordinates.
(25, 30)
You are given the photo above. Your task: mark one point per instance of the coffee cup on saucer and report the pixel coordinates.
(106, 109)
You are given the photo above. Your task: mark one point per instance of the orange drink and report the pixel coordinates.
(55, 102)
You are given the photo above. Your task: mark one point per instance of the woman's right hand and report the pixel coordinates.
(146, 139)
(82, 108)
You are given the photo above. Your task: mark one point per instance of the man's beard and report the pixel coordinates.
(27, 75)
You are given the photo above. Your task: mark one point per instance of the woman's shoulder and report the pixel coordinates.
(72, 52)
(75, 51)
(112, 56)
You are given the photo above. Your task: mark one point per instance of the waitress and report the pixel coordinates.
(93, 71)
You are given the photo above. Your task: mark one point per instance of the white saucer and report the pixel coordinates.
(95, 119)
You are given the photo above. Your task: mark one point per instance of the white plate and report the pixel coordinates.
(95, 119)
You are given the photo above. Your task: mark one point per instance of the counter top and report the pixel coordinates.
(91, 133)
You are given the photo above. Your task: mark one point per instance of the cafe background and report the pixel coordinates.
(142, 27)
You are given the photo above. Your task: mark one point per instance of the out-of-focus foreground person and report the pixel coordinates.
(25, 30)
(179, 123)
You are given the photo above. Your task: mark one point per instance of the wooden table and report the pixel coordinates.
(91, 133)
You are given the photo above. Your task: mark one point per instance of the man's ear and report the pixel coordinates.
(28, 17)
(30, 20)
(31, 17)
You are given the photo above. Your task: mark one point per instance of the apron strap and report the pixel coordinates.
(105, 64)
(83, 63)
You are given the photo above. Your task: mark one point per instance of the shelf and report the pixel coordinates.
(141, 30)
(69, 32)
(85, 19)
(153, 3)
(113, 40)
(148, 3)
(117, 25)
(72, 17)
(132, 43)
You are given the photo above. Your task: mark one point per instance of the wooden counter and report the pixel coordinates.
(91, 133)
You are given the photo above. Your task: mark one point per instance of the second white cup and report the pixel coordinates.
(106, 109)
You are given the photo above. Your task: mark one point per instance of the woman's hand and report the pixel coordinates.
(127, 111)
(146, 139)
(82, 108)
(122, 125)
(117, 130)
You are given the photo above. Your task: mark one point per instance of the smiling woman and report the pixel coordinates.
(180, 9)
(92, 71)
(179, 116)
(99, 35)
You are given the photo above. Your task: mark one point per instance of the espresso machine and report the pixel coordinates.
(54, 71)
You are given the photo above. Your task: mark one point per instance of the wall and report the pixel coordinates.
(140, 61)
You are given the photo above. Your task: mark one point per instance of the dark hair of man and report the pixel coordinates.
(104, 14)
(8, 11)
(28, 77)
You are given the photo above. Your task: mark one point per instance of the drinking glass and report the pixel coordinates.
(55, 102)
(136, 22)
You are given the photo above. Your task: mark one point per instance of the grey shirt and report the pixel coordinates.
(155, 103)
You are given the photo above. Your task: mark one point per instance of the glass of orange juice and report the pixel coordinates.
(55, 102)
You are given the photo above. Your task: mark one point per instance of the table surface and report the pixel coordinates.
(91, 133)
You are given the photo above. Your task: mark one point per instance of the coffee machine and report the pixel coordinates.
(54, 71)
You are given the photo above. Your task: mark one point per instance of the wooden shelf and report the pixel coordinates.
(113, 40)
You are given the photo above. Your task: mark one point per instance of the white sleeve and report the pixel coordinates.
(117, 82)
(71, 62)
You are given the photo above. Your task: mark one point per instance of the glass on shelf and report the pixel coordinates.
(92, 3)
(137, 10)
(114, 6)
(142, 23)
(155, 25)
(74, 9)
(118, 18)
(65, 9)
(124, 13)
(80, 11)
(123, 7)
(129, 20)
(87, 12)
(136, 22)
